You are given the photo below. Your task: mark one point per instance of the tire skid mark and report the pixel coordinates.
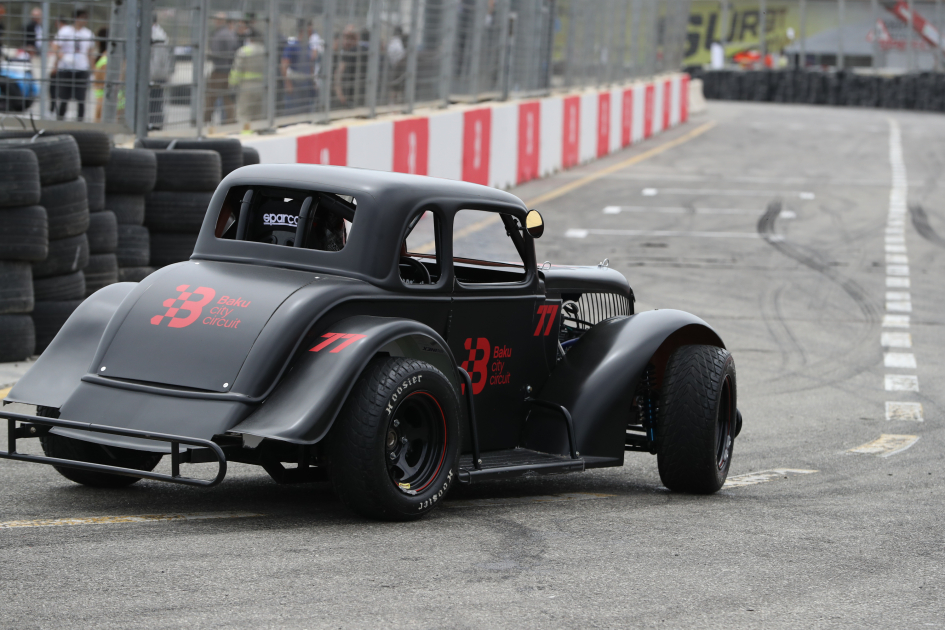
(920, 221)
(838, 367)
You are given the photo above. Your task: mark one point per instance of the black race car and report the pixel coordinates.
(390, 333)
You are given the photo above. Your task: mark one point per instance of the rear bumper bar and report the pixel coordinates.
(29, 429)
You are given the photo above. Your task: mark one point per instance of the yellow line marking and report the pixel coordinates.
(429, 248)
(4, 392)
(550, 498)
(886, 445)
(112, 520)
(750, 479)
(613, 168)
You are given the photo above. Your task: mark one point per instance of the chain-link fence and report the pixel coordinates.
(228, 65)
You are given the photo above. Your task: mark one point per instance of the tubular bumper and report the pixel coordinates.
(29, 430)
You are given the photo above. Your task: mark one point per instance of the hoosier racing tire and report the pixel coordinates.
(394, 449)
(697, 418)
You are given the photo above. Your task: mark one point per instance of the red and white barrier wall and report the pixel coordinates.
(496, 144)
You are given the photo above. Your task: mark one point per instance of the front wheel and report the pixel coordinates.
(394, 448)
(697, 419)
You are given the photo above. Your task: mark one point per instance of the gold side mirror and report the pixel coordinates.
(534, 224)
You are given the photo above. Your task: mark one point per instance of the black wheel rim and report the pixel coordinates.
(415, 442)
(726, 424)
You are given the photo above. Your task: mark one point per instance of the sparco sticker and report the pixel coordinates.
(280, 220)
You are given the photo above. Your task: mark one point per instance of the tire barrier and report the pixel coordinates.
(49, 232)
(174, 210)
(923, 91)
(129, 176)
(230, 149)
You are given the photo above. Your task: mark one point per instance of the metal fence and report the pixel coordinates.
(188, 67)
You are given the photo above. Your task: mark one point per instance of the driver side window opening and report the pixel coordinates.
(419, 255)
(488, 247)
(289, 217)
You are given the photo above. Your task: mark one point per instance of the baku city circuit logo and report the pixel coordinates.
(182, 311)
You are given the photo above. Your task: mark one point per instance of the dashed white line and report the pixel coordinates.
(785, 214)
(904, 412)
(905, 360)
(895, 321)
(886, 445)
(584, 233)
(896, 340)
(901, 383)
(762, 476)
(897, 270)
(897, 283)
(652, 192)
(114, 520)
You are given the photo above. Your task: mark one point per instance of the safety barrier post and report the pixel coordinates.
(446, 53)
(199, 59)
(327, 61)
(374, 28)
(411, 79)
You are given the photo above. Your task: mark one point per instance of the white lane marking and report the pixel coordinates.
(904, 411)
(905, 360)
(785, 214)
(896, 340)
(112, 520)
(897, 270)
(897, 283)
(886, 445)
(897, 259)
(899, 307)
(550, 498)
(583, 233)
(762, 476)
(897, 229)
(895, 321)
(901, 383)
(895, 249)
(652, 192)
(898, 296)
(895, 240)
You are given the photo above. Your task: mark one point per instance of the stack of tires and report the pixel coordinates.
(175, 209)
(23, 240)
(58, 280)
(130, 174)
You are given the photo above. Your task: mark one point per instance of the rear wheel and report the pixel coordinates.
(697, 419)
(69, 448)
(394, 448)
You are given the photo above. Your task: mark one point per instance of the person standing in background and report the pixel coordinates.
(34, 33)
(162, 67)
(296, 66)
(223, 47)
(73, 48)
(249, 68)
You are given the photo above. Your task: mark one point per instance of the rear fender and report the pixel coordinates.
(304, 405)
(597, 379)
(59, 370)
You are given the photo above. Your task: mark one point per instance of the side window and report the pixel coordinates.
(419, 259)
(487, 247)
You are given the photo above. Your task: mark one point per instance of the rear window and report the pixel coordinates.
(287, 217)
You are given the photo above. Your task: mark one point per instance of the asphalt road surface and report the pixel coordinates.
(785, 228)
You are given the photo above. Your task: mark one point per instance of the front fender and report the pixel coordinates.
(60, 368)
(304, 405)
(597, 378)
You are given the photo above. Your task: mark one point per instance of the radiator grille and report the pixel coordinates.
(592, 308)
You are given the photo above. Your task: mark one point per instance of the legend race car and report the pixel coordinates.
(390, 333)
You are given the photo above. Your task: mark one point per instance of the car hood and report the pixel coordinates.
(194, 323)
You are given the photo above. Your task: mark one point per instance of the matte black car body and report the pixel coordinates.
(278, 336)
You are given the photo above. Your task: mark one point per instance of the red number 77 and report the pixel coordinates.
(550, 310)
